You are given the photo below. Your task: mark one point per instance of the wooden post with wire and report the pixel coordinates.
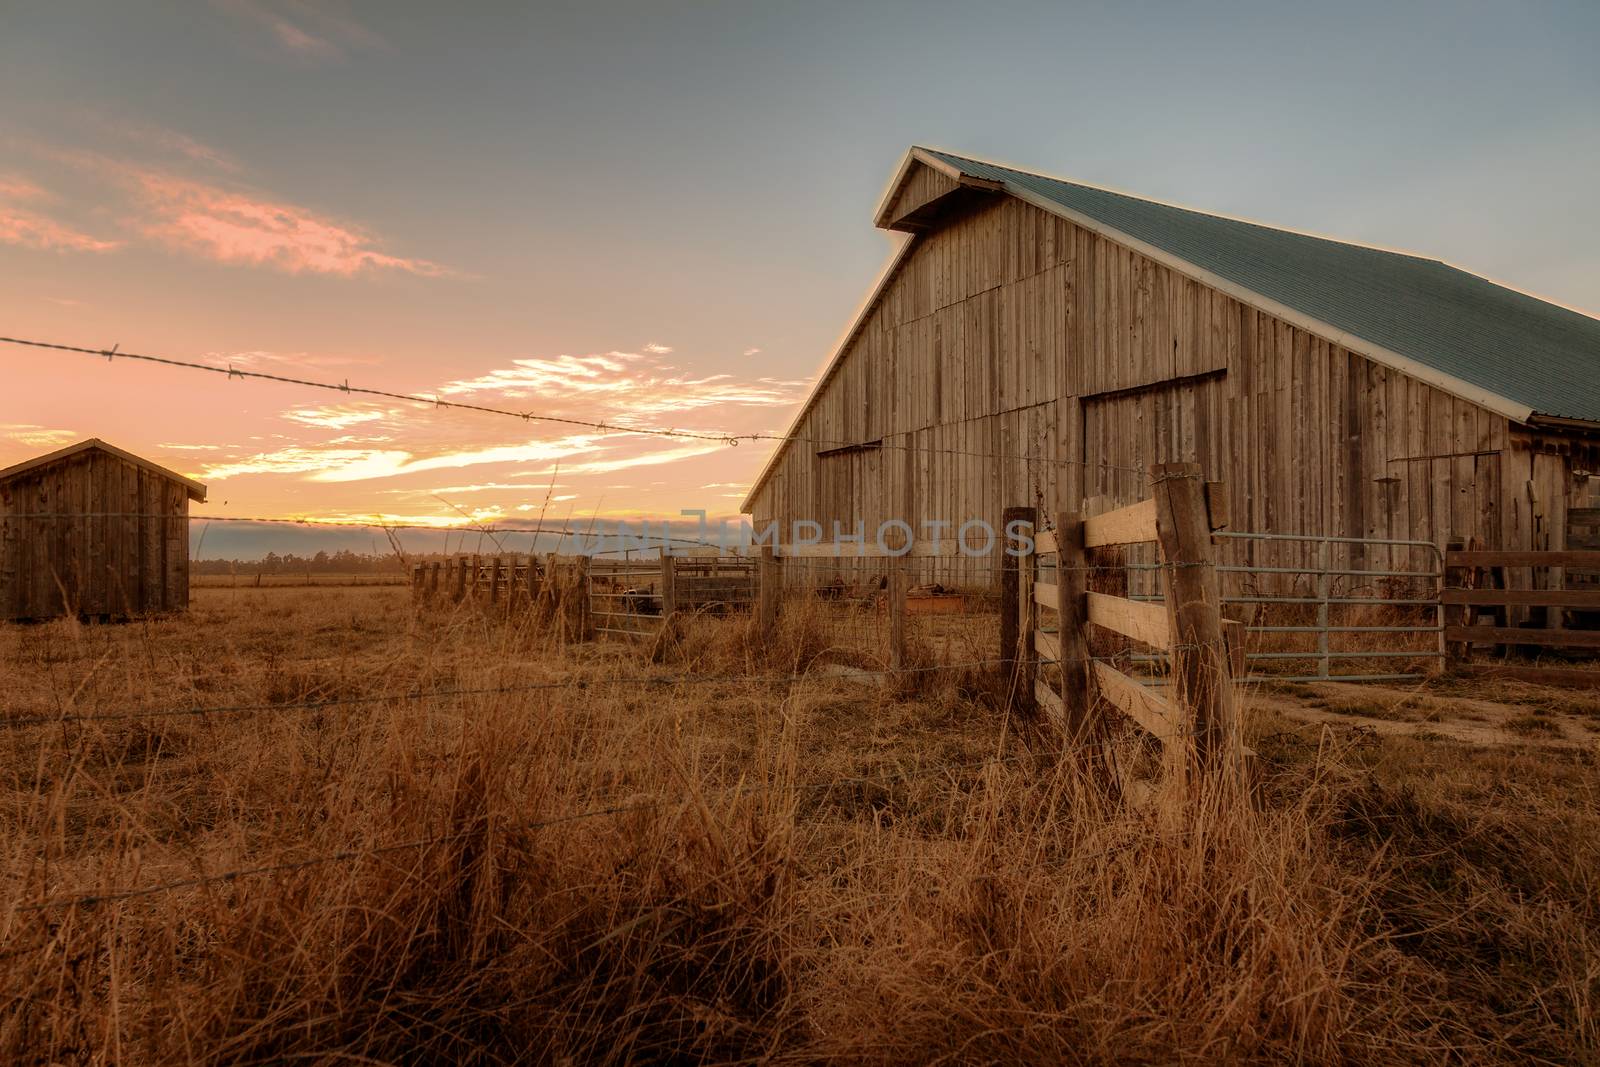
(1201, 669)
(769, 588)
(669, 591)
(1013, 521)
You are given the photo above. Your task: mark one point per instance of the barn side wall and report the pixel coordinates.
(124, 551)
(1016, 358)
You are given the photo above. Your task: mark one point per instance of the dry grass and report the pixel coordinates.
(809, 870)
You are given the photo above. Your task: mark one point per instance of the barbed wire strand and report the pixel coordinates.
(722, 437)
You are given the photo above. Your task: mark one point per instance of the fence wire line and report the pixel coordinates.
(431, 694)
(351, 855)
(722, 437)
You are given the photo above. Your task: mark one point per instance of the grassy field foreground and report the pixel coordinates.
(603, 853)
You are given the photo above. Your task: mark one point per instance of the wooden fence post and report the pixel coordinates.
(494, 581)
(769, 587)
(584, 627)
(898, 580)
(1202, 688)
(1027, 613)
(669, 591)
(1010, 577)
(417, 588)
(458, 591)
(1072, 582)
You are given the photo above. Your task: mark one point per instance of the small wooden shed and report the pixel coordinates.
(96, 532)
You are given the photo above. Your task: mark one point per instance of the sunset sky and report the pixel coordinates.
(659, 213)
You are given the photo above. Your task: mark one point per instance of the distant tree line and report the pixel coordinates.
(340, 562)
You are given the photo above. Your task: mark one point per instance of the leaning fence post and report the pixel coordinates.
(1200, 666)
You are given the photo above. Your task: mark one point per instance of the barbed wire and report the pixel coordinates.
(720, 436)
(345, 387)
(432, 694)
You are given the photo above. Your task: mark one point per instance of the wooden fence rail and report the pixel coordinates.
(1477, 591)
(1194, 716)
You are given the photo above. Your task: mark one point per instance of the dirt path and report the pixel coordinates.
(1417, 712)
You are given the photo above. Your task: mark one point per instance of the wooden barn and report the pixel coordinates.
(1038, 342)
(95, 532)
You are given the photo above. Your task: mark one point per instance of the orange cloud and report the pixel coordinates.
(233, 227)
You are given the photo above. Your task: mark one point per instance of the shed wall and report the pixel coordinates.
(123, 551)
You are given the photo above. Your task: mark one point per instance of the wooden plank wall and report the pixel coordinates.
(1014, 354)
(124, 551)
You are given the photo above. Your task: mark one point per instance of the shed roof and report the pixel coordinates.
(197, 492)
(1542, 358)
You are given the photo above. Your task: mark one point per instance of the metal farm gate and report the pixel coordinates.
(1322, 608)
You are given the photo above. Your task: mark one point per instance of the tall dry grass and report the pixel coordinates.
(674, 870)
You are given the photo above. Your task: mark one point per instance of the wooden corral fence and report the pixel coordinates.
(1194, 715)
(554, 588)
(1477, 592)
(644, 597)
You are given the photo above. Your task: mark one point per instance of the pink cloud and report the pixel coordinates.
(232, 227)
(31, 228)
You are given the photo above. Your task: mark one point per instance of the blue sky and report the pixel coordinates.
(420, 194)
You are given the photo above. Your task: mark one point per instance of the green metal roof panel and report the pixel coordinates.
(1529, 351)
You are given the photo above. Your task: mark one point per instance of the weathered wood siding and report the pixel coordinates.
(102, 560)
(1016, 358)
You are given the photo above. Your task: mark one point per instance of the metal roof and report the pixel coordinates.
(1539, 356)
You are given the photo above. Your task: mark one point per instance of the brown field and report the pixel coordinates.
(731, 850)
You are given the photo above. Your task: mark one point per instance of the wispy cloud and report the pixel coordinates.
(312, 32)
(637, 382)
(365, 464)
(22, 222)
(172, 143)
(33, 436)
(336, 418)
(236, 227)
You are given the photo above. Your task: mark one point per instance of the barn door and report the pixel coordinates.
(1169, 422)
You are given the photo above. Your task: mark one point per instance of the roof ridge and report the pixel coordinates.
(956, 159)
